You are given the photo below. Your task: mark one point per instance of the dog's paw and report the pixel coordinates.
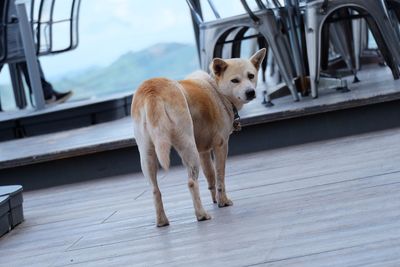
(162, 221)
(213, 194)
(224, 202)
(213, 198)
(162, 224)
(203, 216)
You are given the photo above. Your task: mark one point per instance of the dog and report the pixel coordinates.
(195, 116)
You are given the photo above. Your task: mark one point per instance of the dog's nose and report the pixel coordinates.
(250, 94)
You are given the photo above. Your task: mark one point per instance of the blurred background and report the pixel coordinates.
(122, 43)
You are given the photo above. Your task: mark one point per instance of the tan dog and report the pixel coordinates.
(196, 117)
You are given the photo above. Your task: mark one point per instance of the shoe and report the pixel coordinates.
(58, 98)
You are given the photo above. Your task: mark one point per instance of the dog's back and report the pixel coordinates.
(161, 118)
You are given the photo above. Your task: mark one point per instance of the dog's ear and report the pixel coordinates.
(218, 66)
(258, 58)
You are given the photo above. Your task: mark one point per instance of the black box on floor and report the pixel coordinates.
(5, 223)
(16, 214)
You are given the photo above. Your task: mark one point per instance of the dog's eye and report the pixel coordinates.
(251, 76)
(235, 81)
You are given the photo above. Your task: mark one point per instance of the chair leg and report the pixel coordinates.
(385, 31)
(357, 42)
(30, 55)
(18, 86)
(284, 66)
(395, 22)
(340, 40)
(270, 66)
(262, 43)
(313, 47)
(278, 48)
(384, 47)
(325, 47)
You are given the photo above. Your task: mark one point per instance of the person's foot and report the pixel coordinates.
(58, 98)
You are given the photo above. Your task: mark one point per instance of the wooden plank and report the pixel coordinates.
(338, 207)
(192, 222)
(150, 249)
(135, 218)
(232, 184)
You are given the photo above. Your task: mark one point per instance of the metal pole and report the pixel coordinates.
(196, 19)
(18, 87)
(30, 55)
(293, 11)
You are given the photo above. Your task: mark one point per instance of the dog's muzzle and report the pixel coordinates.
(250, 94)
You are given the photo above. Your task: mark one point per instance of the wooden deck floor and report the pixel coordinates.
(331, 203)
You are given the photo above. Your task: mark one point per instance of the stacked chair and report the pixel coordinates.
(212, 36)
(317, 12)
(312, 42)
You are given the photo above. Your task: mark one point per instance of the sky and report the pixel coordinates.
(110, 28)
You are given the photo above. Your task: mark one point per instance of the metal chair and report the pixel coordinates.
(24, 37)
(318, 11)
(13, 48)
(337, 34)
(212, 35)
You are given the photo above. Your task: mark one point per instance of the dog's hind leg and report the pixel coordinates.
(190, 157)
(148, 161)
(209, 172)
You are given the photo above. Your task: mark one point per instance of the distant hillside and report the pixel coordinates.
(171, 60)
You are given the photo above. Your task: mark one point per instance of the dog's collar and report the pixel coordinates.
(236, 119)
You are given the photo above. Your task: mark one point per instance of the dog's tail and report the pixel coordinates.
(166, 119)
(160, 132)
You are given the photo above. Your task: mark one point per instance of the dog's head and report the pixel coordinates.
(237, 78)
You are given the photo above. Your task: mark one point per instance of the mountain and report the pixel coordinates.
(172, 60)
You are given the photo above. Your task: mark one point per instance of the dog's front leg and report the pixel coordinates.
(221, 152)
(209, 172)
